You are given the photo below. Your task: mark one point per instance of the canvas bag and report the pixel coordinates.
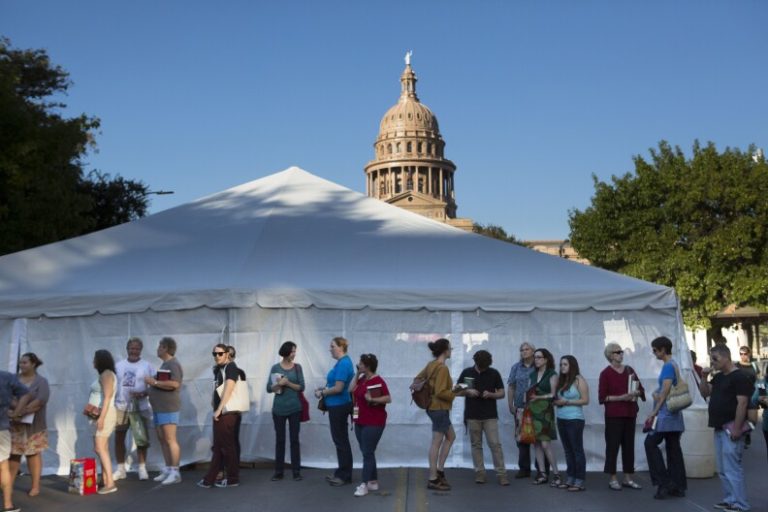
(679, 396)
(239, 400)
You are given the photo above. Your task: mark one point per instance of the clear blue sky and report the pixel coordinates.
(532, 96)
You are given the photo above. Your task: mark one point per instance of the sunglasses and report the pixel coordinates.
(217, 354)
(617, 352)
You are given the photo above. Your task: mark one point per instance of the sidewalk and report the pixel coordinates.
(402, 490)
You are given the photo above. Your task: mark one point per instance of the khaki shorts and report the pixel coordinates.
(109, 424)
(5, 445)
(122, 423)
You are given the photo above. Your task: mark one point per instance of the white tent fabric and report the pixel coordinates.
(293, 256)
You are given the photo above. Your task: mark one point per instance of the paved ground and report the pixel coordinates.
(402, 490)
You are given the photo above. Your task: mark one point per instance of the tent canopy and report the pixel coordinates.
(293, 240)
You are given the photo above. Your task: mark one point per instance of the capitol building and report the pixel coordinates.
(410, 169)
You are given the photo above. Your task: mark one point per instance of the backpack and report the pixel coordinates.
(421, 391)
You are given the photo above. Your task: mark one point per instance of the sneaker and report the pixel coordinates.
(443, 480)
(11, 509)
(503, 480)
(522, 474)
(120, 474)
(297, 476)
(223, 484)
(734, 508)
(277, 476)
(143, 475)
(202, 483)
(107, 490)
(162, 476)
(723, 505)
(338, 482)
(373, 486)
(174, 477)
(479, 477)
(361, 490)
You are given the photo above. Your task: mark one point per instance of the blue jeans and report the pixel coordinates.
(572, 436)
(337, 417)
(294, 426)
(368, 436)
(728, 460)
(672, 475)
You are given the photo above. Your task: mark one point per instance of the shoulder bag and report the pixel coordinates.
(239, 400)
(679, 396)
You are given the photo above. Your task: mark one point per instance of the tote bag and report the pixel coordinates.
(239, 400)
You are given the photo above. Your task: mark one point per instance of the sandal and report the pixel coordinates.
(540, 479)
(562, 486)
(614, 485)
(631, 484)
(556, 481)
(576, 488)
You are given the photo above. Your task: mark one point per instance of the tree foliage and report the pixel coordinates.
(45, 195)
(699, 225)
(494, 231)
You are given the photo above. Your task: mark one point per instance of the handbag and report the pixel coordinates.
(138, 430)
(321, 404)
(527, 432)
(679, 396)
(303, 400)
(92, 411)
(239, 400)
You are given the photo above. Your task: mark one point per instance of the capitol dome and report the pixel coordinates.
(409, 169)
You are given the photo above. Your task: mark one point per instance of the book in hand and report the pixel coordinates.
(746, 426)
(375, 390)
(163, 375)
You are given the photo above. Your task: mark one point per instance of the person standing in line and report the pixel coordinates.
(131, 396)
(286, 381)
(728, 392)
(539, 400)
(371, 396)
(339, 404)
(30, 439)
(225, 375)
(104, 364)
(760, 399)
(618, 390)
(439, 412)
(670, 479)
(517, 384)
(165, 398)
(572, 396)
(484, 386)
(10, 388)
(750, 369)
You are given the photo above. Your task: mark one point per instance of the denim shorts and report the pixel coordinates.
(166, 418)
(441, 420)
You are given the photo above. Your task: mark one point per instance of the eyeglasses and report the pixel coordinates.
(617, 352)
(217, 354)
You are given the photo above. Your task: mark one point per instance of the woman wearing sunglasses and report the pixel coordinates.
(618, 390)
(226, 373)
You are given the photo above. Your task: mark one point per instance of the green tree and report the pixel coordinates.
(699, 225)
(44, 193)
(494, 231)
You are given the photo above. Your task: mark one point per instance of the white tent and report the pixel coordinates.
(293, 256)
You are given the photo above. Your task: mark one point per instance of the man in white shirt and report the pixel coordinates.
(131, 396)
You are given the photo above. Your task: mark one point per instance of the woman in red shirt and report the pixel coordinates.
(618, 390)
(371, 397)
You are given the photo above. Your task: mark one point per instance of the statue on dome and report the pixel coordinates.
(408, 57)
